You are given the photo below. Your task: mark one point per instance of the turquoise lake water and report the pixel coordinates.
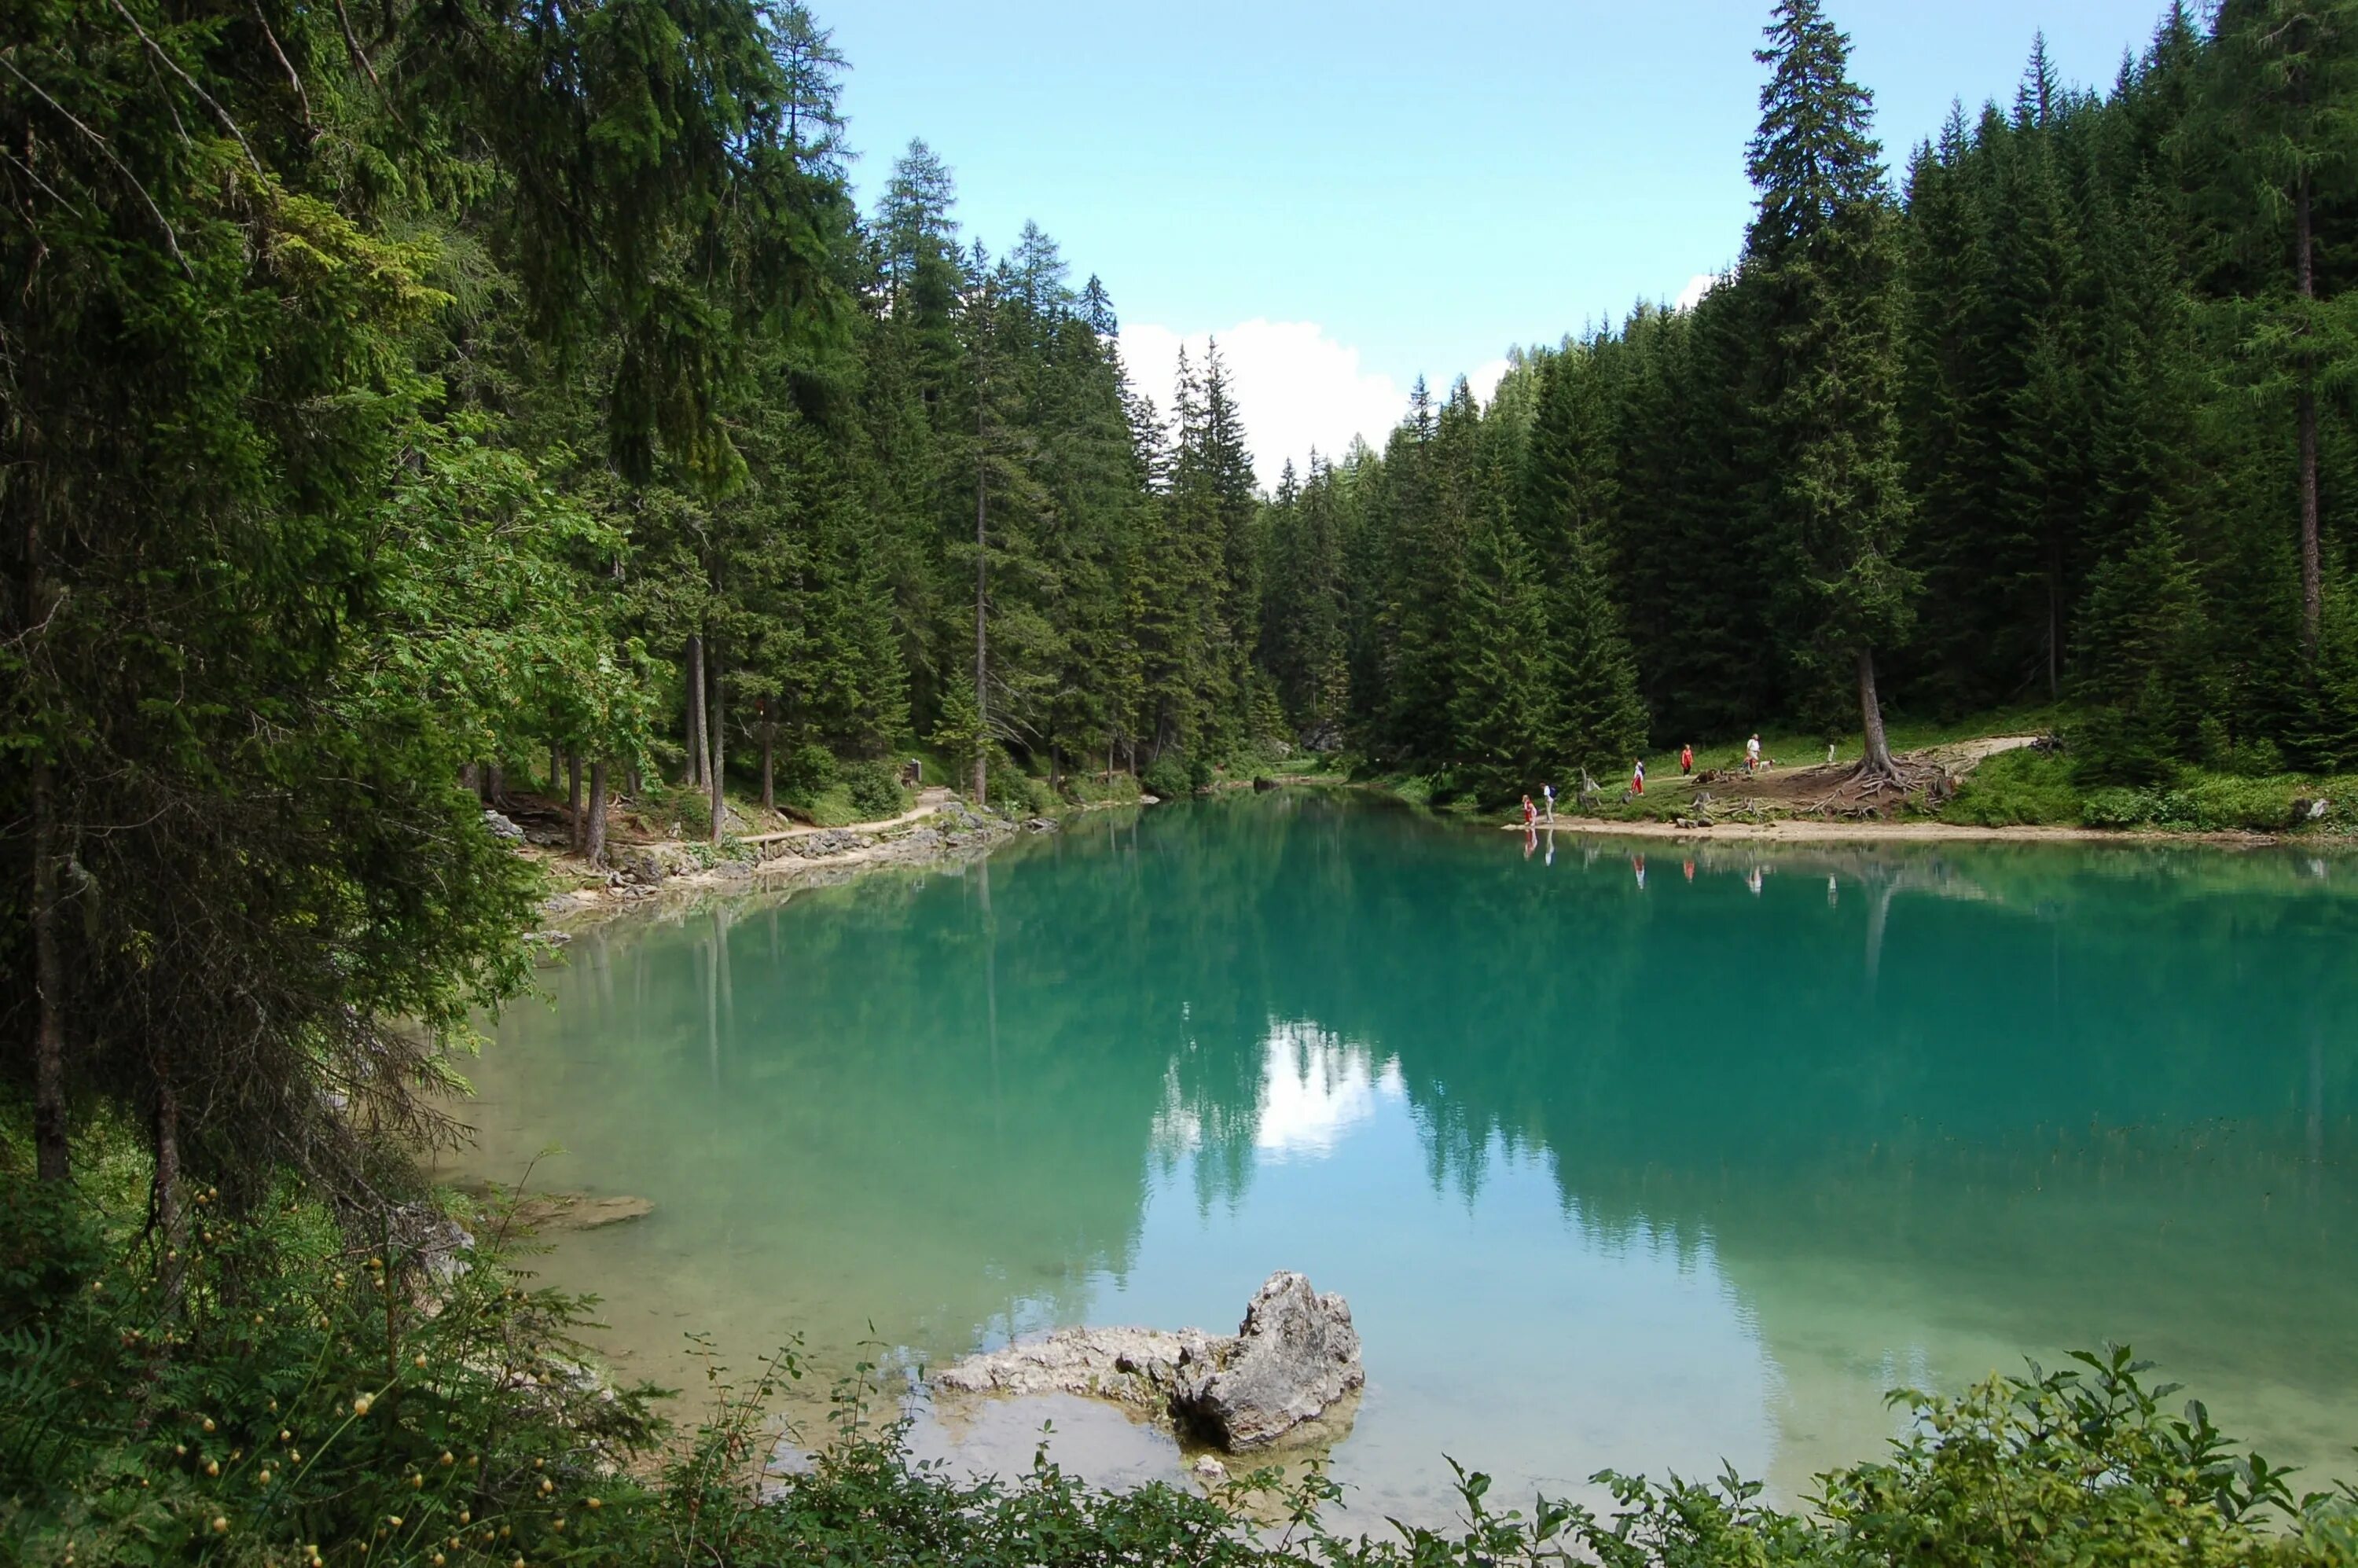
(1623, 1155)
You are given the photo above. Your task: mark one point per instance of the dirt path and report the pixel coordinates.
(929, 801)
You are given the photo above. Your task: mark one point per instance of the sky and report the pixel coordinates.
(1348, 197)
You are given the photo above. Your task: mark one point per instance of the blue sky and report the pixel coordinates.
(1351, 196)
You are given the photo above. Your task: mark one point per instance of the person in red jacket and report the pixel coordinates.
(1686, 760)
(1637, 777)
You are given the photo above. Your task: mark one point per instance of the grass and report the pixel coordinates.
(2017, 789)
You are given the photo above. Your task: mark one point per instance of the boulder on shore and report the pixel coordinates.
(1294, 1357)
(1296, 1354)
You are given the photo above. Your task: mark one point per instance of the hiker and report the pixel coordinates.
(1637, 776)
(1530, 814)
(1686, 761)
(1547, 793)
(1752, 755)
(1830, 753)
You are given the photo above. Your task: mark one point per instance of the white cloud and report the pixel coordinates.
(1483, 380)
(1296, 387)
(1697, 286)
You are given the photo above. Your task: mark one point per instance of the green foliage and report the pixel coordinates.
(876, 790)
(2017, 788)
(1498, 711)
(1170, 777)
(278, 1388)
(805, 771)
(2203, 803)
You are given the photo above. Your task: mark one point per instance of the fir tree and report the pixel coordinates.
(1820, 252)
(1499, 739)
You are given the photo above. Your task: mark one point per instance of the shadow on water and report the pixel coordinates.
(1624, 1154)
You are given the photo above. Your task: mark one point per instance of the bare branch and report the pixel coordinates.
(171, 239)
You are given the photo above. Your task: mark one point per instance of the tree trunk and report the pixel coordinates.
(716, 725)
(556, 766)
(981, 582)
(171, 1222)
(573, 800)
(769, 757)
(495, 783)
(2055, 621)
(695, 708)
(1877, 760)
(2312, 578)
(49, 983)
(593, 839)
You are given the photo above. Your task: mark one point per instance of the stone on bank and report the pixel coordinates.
(1295, 1356)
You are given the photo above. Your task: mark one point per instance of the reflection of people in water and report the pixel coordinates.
(1831, 897)
(1638, 865)
(1550, 854)
(1690, 870)
(1530, 839)
(1752, 881)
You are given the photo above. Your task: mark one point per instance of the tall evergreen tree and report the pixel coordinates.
(1820, 253)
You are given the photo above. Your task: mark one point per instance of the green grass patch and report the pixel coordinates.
(2017, 789)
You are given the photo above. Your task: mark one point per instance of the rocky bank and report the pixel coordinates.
(1293, 1358)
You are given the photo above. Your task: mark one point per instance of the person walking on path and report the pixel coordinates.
(1752, 755)
(1547, 793)
(1637, 777)
(1686, 761)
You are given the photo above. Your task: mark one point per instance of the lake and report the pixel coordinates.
(1629, 1155)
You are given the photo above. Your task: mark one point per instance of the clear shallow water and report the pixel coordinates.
(1618, 1163)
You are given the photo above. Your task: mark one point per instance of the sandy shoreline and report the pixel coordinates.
(1804, 830)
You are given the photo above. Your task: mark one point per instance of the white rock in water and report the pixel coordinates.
(1296, 1354)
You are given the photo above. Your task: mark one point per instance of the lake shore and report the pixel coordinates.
(942, 828)
(1816, 831)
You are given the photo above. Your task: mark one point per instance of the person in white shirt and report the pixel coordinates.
(1752, 755)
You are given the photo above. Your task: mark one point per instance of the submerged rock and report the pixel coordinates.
(1134, 1365)
(1296, 1356)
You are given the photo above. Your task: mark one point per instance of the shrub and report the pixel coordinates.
(2017, 788)
(2203, 803)
(876, 790)
(805, 771)
(1166, 775)
(1201, 774)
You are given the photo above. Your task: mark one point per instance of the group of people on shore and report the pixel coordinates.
(1543, 811)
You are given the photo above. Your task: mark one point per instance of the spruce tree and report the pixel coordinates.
(1821, 254)
(2145, 676)
(1499, 736)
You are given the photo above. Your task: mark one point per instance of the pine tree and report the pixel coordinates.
(2146, 675)
(1499, 739)
(2284, 82)
(1600, 720)
(1820, 253)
